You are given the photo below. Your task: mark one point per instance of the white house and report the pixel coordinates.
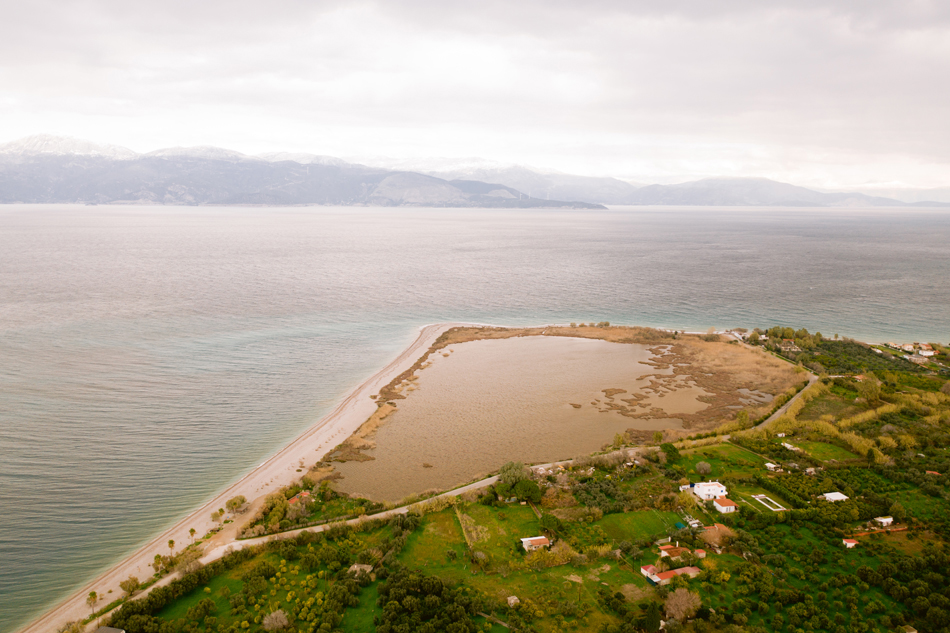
(709, 490)
(790, 447)
(884, 521)
(772, 467)
(849, 542)
(926, 352)
(535, 542)
(834, 496)
(779, 435)
(725, 505)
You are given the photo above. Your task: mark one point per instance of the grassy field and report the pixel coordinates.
(634, 526)
(825, 451)
(832, 404)
(726, 460)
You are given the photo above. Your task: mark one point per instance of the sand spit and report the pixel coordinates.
(280, 470)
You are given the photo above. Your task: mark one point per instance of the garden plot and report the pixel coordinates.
(769, 503)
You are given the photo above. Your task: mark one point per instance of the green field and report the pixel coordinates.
(825, 451)
(635, 526)
(726, 460)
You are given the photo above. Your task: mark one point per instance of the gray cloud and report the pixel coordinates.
(816, 92)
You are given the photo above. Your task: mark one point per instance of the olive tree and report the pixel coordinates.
(275, 621)
(703, 468)
(682, 604)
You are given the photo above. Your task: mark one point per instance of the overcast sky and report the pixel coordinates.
(819, 93)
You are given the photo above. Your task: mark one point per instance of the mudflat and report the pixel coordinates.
(483, 397)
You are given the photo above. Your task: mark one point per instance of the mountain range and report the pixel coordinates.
(53, 169)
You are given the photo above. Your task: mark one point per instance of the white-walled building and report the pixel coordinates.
(724, 505)
(709, 490)
(884, 521)
(834, 496)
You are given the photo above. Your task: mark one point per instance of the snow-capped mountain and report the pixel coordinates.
(207, 152)
(303, 159)
(64, 146)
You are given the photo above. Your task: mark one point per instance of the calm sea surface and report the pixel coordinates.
(150, 356)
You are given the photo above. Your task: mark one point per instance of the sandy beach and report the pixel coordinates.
(280, 470)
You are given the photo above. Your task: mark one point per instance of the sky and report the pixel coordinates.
(819, 93)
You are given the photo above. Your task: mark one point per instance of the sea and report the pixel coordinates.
(150, 355)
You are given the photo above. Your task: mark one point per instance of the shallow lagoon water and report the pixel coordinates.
(493, 401)
(150, 355)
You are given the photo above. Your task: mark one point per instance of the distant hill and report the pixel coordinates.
(751, 192)
(48, 169)
(53, 169)
(550, 185)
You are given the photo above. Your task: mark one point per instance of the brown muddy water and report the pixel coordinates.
(484, 403)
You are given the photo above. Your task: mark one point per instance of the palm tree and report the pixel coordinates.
(171, 545)
(192, 533)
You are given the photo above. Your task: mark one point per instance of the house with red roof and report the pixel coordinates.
(534, 542)
(849, 542)
(305, 494)
(724, 505)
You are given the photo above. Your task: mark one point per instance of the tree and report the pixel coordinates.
(652, 617)
(191, 533)
(171, 545)
(72, 627)
(657, 437)
(870, 388)
(897, 511)
(672, 454)
(275, 621)
(754, 338)
(550, 523)
(682, 604)
(513, 472)
(92, 599)
(235, 503)
(130, 585)
(527, 490)
(703, 468)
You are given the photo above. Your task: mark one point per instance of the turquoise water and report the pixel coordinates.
(150, 356)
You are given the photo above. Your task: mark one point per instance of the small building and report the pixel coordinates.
(926, 352)
(709, 490)
(908, 347)
(666, 577)
(884, 521)
(810, 471)
(772, 467)
(788, 345)
(700, 553)
(357, 568)
(300, 496)
(791, 447)
(534, 542)
(917, 358)
(907, 629)
(780, 435)
(673, 553)
(724, 505)
(649, 571)
(513, 601)
(834, 496)
(849, 542)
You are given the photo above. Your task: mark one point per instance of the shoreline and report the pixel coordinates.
(279, 470)
(275, 472)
